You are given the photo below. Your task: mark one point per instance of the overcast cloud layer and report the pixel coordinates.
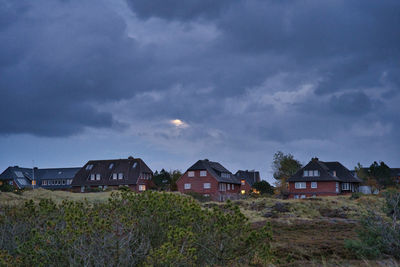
(245, 78)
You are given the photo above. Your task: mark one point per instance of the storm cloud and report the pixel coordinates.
(246, 77)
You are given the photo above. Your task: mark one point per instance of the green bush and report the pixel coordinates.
(6, 187)
(149, 229)
(198, 196)
(356, 195)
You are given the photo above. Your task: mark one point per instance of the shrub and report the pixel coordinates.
(198, 196)
(6, 187)
(380, 235)
(355, 195)
(154, 229)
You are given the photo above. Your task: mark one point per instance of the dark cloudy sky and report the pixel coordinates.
(176, 81)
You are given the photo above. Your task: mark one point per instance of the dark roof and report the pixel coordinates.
(251, 177)
(23, 176)
(131, 169)
(326, 171)
(216, 170)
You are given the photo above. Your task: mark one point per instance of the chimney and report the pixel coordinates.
(206, 160)
(314, 159)
(130, 157)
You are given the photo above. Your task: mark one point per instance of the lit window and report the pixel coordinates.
(142, 187)
(111, 166)
(243, 182)
(188, 186)
(134, 165)
(191, 174)
(203, 173)
(114, 176)
(120, 176)
(313, 184)
(98, 176)
(243, 192)
(300, 185)
(206, 185)
(92, 177)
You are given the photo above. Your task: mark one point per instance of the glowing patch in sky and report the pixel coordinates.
(179, 123)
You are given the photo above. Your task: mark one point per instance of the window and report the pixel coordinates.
(243, 192)
(191, 174)
(203, 173)
(69, 181)
(134, 165)
(243, 182)
(300, 185)
(233, 187)
(305, 173)
(345, 186)
(337, 187)
(114, 176)
(82, 189)
(111, 166)
(92, 177)
(142, 187)
(222, 187)
(206, 185)
(296, 196)
(225, 175)
(229, 186)
(120, 176)
(313, 184)
(316, 173)
(89, 167)
(188, 186)
(334, 173)
(64, 182)
(44, 182)
(98, 176)
(303, 196)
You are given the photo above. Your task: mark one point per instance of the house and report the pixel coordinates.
(54, 178)
(247, 180)
(395, 173)
(319, 178)
(210, 179)
(113, 173)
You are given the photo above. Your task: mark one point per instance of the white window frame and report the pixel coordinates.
(305, 173)
(233, 186)
(203, 173)
(300, 185)
(92, 177)
(229, 187)
(114, 176)
(190, 173)
(316, 173)
(44, 182)
(345, 186)
(98, 176)
(207, 185)
(120, 176)
(187, 186)
(314, 184)
(142, 187)
(222, 187)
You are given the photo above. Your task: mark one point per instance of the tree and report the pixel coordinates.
(284, 166)
(381, 173)
(264, 187)
(175, 175)
(162, 179)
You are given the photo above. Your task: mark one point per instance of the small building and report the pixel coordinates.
(113, 173)
(247, 180)
(31, 178)
(210, 179)
(319, 178)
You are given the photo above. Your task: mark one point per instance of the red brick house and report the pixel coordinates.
(210, 179)
(319, 178)
(113, 173)
(247, 180)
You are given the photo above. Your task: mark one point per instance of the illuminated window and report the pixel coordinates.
(191, 174)
(243, 182)
(142, 187)
(243, 192)
(203, 173)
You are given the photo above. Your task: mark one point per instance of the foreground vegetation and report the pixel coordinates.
(173, 229)
(150, 229)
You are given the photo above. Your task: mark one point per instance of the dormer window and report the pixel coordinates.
(311, 173)
(120, 176)
(98, 176)
(111, 166)
(114, 176)
(225, 175)
(89, 167)
(334, 173)
(92, 177)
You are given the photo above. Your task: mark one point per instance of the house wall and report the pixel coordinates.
(197, 185)
(323, 189)
(246, 187)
